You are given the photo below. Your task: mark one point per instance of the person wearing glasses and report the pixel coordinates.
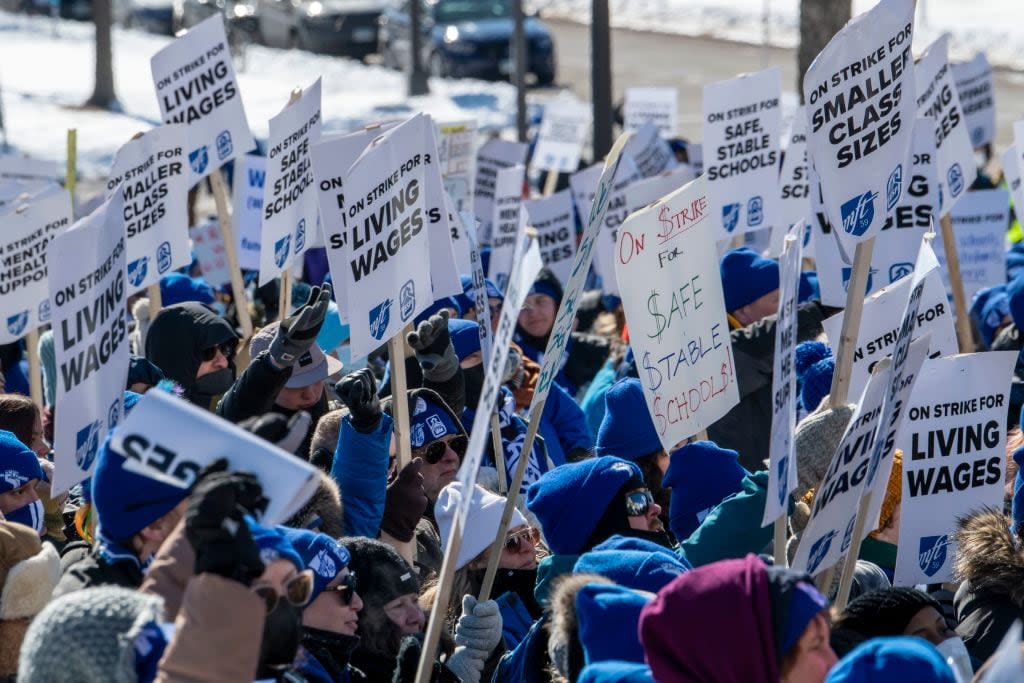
(467, 301)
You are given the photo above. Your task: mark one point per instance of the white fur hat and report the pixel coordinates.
(485, 510)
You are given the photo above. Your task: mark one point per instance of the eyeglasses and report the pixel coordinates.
(346, 589)
(527, 539)
(434, 451)
(228, 348)
(297, 591)
(638, 503)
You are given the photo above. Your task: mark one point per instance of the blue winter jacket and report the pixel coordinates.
(593, 404)
(563, 425)
(361, 470)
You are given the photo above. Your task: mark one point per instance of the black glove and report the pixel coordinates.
(215, 526)
(298, 331)
(433, 347)
(279, 430)
(358, 391)
(405, 502)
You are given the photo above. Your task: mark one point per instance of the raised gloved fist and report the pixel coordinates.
(297, 333)
(405, 502)
(433, 346)
(284, 433)
(358, 391)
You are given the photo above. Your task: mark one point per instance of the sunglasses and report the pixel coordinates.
(638, 503)
(346, 589)
(297, 591)
(434, 451)
(519, 542)
(228, 348)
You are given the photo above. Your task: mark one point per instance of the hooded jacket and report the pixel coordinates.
(95, 570)
(176, 341)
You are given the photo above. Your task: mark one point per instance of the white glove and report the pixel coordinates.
(467, 664)
(479, 627)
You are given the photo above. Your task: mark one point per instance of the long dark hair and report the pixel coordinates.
(18, 415)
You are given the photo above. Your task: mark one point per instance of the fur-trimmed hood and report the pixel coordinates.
(564, 647)
(989, 556)
(322, 511)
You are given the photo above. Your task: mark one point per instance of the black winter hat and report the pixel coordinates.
(381, 573)
(885, 612)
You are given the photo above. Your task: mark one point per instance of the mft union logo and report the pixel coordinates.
(755, 211)
(137, 270)
(281, 248)
(163, 257)
(44, 311)
(894, 188)
(898, 270)
(730, 216)
(857, 213)
(977, 135)
(955, 179)
(87, 442)
(380, 316)
(932, 553)
(198, 159)
(224, 146)
(16, 323)
(848, 273)
(114, 414)
(407, 300)
(300, 235)
(819, 549)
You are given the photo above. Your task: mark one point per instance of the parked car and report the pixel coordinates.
(155, 16)
(240, 17)
(467, 38)
(333, 27)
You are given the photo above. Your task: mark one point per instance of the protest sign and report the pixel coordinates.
(210, 252)
(26, 234)
(860, 112)
(456, 151)
(169, 439)
(461, 235)
(250, 172)
(794, 186)
(152, 172)
(615, 213)
(742, 126)
(937, 98)
(979, 225)
(671, 288)
(977, 98)
(17, 166)
(880, 326)
(88, 298)
(651, 105)
(507, 223)
(444, 276)
(553, 219)
(834, 272)
(495, 154)
(289, 193)
(642, 192)
(583, 185)
(386, 263)
(196, 85)
(954, 445)
(782, 466)
(563, 129)
(1011, 171)
(14, 191)
(649, 152)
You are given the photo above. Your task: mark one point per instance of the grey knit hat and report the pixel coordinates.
(87, 636)
(816, 440)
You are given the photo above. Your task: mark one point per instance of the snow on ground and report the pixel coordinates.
(988, 25)
(44, 77)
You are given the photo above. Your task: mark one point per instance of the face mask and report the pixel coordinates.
(955, 653)
(30, 515)
(474, 378)
(214, 383)
(521, 582)
(282, 633)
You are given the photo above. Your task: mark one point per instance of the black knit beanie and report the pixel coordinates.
(382, 575)
(885, 612)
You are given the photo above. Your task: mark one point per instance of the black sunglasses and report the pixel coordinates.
(518, 542)
(228, 348)
(346, 589)
(434, 451)
(638, 503)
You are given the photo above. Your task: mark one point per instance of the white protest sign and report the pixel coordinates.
(444, 275)
(169, 439)
(879, 326)
(196, 85)
(742, 127)
(954, 445)
(210, 252)
(247, 216)
(649, 152)
(553, 219)
(977, 98)
(615, 213)
(456, 151)
(507, 223)
(657, 106)
(563, 130)
(16, 166)
(671, 288)
(1011, 171)
(860, 115)
(937, 98)
(782, 468)
(492, 156)
(289, 193)
(833, 272)
(152, 172)
(583, 185)
(642, 192)
(26, 234)
(480, 302)
(14, 190)
(88, 296)
(461, 236)
(386, 266)
(829, 531)
(979, 225)
(794, 186)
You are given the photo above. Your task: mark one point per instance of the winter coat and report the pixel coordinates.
(361, 470)
(732, 529)
(170, 571)
(529, 661)
(582, 359)
(593, 404)
(748, 425)
(991, 568)
(563, 426)
(96, 570)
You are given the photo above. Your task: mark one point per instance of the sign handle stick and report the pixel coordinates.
(220, 198)
(71, 173)
(155, 300)
(550, 183)
(399, 389)
(846, 580)
(284, 301)
(840, 389)
(779, 542)
(35, 372)
(956, 283)
(499, 453)
(439, 614)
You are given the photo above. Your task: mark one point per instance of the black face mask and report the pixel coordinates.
(282, 633)
(332, 650)
(474, 378)
(521, 582)
(214, 383)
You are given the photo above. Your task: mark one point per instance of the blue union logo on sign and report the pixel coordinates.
(932, 553)
(857, 213)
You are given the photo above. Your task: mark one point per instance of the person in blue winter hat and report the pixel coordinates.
(701, 476)
(448, 303)
(750, 283)
(816, 383)
(990, 313)
(467, 300)
(809, 289)
(20, 472)
(901, 658)
(643, 566)
(177, 288)
(608, 620)
(1014, 260)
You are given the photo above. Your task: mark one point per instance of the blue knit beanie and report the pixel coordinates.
(899, 658)
(466, 299)
(130, 399)
(608, 621)
(809, 289)
(805, 603)
(632, 543)
(807, 354)
(570, 500)
(746, 277)
(141, 370)
(446, 302)
(429, 422)
(990, 306)
(1014, 260)
(1015, 292)
(465, 336)
(547, 283)
(817, 383)
(18, 464)
(636, 569)
(125, 501)
(320, 553)
(627, 430)
(616, 672)
(176, 288)
(272, 543)
(701, 475)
